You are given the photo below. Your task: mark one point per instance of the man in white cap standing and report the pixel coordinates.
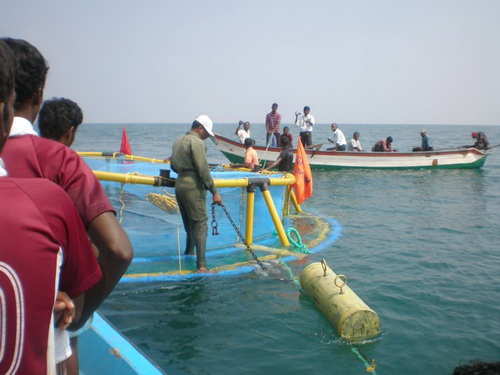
(189, 161)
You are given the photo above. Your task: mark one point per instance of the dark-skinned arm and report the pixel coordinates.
(115, 255)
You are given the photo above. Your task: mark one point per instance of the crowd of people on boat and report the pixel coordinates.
(63, 250)
(305, 122)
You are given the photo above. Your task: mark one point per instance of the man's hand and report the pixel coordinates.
(217, 199)
(64, 310)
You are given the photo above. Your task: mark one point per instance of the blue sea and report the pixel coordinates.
(421, 248)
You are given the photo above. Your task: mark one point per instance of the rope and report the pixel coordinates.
(291, 276)
(166, 201)
(122, 193)
(265, 152)
(370, 367)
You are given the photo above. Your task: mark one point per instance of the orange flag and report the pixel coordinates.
(125, 146)
(303, 177)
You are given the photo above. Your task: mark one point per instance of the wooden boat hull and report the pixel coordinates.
(468, 158)
(103, 350)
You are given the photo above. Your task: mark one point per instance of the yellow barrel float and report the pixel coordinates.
(352, 318)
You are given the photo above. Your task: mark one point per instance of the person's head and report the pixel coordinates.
(423, 133)
(388, 140)
(31, 72)
(334, 127)
(285, 142)
(246, 125)
(274, 107)
(306, 110)
(7, 93)
(59, 119)
(474, 135)
(355, 136)
(249, 142)
(286, 130)
(203, 126)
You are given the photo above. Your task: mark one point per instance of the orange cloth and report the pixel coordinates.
(251, 157)
(303, 186)
(125, 146)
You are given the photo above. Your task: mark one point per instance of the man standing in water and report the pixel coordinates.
(189, 161)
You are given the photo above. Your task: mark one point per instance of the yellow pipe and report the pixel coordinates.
(276, 218)
(142, 158)
(295, 203)
(128, 178)
(250, 212)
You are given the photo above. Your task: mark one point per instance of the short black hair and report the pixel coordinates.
(248, 142)
(307, 108)
(285, 141)
(31, 69)
(56, 116)
(7, 71)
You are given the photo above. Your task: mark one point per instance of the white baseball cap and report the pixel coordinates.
(207, 123)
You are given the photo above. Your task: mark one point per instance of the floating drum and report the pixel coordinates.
(352, 318)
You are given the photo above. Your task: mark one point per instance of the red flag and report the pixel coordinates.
(303, 177)
(125, 146)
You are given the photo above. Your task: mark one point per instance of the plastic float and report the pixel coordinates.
(352, 318)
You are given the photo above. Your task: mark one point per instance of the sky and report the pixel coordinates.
(351, 61)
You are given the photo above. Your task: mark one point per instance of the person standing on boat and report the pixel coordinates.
(305, 123)
(426, 142)
(338, 140)
(384, 145)
(273, 122)
(354, 144)
(189, 161)
(285, 158)
(44, 249)
(251, 159)
(243, 133)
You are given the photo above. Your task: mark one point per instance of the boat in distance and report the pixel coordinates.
(464, 158)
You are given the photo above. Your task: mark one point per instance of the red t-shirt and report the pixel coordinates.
(37, 221)
(32, 156)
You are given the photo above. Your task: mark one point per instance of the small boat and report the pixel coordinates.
(104, 350)
(465, 158)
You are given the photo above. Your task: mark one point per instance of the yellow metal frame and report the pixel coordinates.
(263, 182)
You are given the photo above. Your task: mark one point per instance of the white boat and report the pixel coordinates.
(465, 158)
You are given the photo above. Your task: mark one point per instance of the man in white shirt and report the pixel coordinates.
(305, 122)
(243, 133)
(338, 140)
(354, 144)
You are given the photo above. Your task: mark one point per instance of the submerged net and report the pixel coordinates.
(151, 218)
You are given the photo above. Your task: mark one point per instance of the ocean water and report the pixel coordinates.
(421, 248)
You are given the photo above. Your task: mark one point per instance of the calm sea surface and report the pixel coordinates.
(421, 248)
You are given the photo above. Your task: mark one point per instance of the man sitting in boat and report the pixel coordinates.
(384, 145)
(354, 144)
(285, 158)
(338, 140)
(426, 142)
(251, 159)
(481, 141)
(243, 132)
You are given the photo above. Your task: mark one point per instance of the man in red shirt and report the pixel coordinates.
(273, 122)
(43, 248)
(27, 155)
